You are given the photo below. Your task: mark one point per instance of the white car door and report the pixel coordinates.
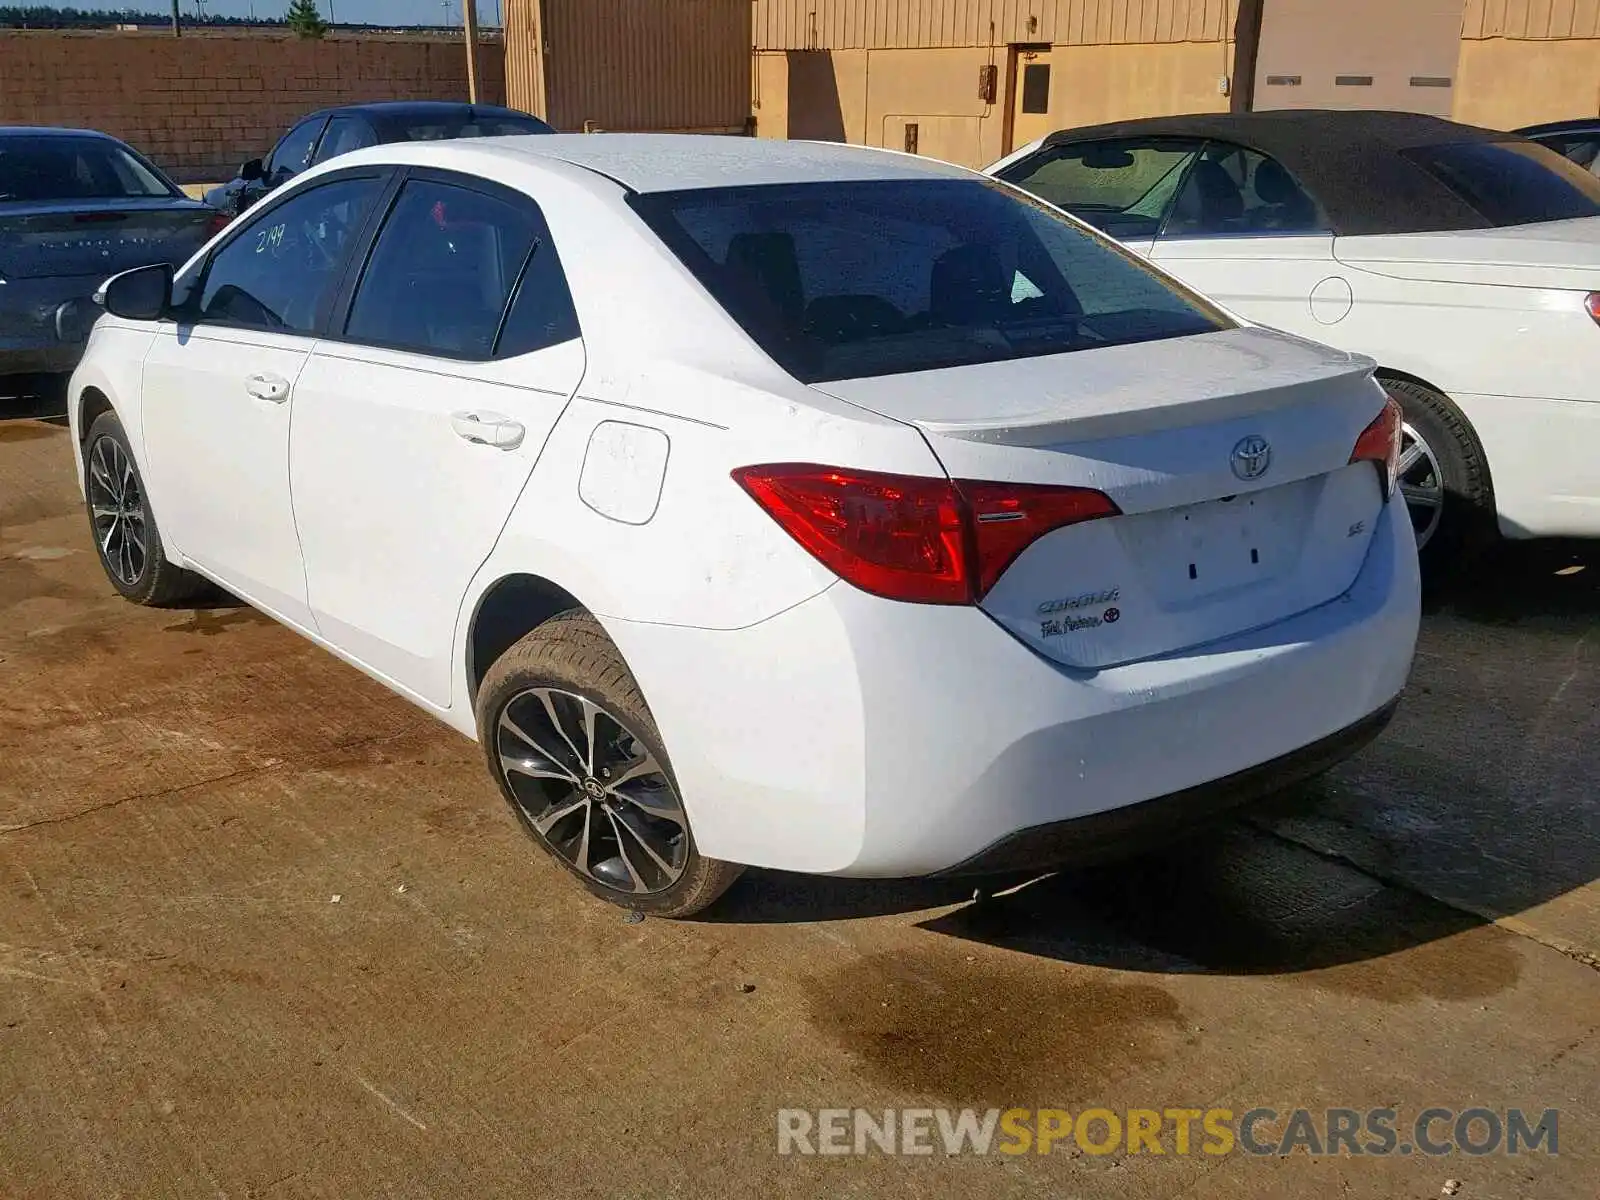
(417, 424)
(1244, 232)
(219, 388)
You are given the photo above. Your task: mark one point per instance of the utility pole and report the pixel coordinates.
(177, 30)
(469, 22)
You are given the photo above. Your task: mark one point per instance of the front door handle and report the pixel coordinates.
(488, 429)
(266, 386)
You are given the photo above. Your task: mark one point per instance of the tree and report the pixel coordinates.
(305, 20)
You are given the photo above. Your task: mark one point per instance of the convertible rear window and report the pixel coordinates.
(1512, 183)
(840, 280)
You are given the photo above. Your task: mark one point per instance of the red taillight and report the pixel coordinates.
(931, 541)
(217, 223)
(1380, 443)
(1592, 303)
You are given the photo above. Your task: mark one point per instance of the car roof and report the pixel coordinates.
(54, 131)
(419, 108)
(1576, 125)
(667, 162)
(1352, 161)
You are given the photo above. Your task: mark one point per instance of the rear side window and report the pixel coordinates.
(1234, 192)
(445, 268)
(1512, 183)
(280, 269)
(345, 134)
(1123, 187)
(849, 279)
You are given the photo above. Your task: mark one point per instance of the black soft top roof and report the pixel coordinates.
(1349, 160)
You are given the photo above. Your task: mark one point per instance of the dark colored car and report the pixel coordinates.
(1578, 140)
(76, 207)
(334, 131)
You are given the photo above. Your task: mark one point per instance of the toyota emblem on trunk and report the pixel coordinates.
(1251, 457)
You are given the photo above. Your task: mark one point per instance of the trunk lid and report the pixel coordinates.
(1548, 254)
(1227, 454)
(99, 238)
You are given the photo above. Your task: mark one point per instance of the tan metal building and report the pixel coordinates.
(661, 65)
(968, 80)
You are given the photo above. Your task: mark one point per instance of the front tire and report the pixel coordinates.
(1444, 479)
(122, 524)
(568, 737)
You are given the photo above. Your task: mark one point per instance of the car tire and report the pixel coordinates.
(123, 526)
(612, 815)
(1444, 479)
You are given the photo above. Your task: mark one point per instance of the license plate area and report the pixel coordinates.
(1200, 550)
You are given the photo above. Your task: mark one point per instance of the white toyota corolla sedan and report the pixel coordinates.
(1466, 262)
(764, 503)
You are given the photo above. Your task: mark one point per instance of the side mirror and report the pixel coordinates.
(142, 294)
(252, 169)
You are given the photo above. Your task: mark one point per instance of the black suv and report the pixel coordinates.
(334, 131)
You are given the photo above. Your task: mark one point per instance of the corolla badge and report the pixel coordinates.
(1251, 457)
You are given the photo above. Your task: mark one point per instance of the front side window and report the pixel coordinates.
(1234, 192)
(345, 134)
(1512, 183)
(293, 154)
(279, 271)
(444, 268)
(847, 279)
(1122, 188)
(48, 167)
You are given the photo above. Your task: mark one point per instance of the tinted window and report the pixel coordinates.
(57, 167)
(1512, 183)
(293, 154)
(1123, 188)
(279, 270)
(435, 127)
(839, 280)
(442, 270)
(344, 135)
(541, 311)
(1235, 192)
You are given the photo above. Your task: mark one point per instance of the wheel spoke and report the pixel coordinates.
(1411, 456)
(622, 822)
(547, 699)
(104, 512)
(634, 877)
(639, 768)
(1422, 497)
(549, 819)
(111, 532)
(549, 768)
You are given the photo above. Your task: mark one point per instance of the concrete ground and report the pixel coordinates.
(265, 930)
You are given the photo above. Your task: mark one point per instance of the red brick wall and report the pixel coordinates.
(201, 104)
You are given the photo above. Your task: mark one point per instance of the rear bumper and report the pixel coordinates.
(857, 736)
(30, 342)
(1544, 462)
(1168, 818)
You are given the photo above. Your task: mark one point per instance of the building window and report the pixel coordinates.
(1036, 88)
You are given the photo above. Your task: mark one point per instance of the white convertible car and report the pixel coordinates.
(762, 503)
(1465, 261)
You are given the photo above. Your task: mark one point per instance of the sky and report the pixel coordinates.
(373, 12)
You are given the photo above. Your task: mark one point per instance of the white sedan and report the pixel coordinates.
(802, 506)
(1465, 261)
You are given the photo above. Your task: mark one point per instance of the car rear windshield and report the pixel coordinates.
(434, 128)
(62, 167)
(1513, 182)
(847, 279)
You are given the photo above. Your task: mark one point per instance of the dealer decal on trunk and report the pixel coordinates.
(1072, 618)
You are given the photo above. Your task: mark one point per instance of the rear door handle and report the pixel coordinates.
(266, 386)
(488, 429)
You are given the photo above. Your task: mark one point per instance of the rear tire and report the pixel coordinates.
(123, 526)
(1444, 479)
(568, 737)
